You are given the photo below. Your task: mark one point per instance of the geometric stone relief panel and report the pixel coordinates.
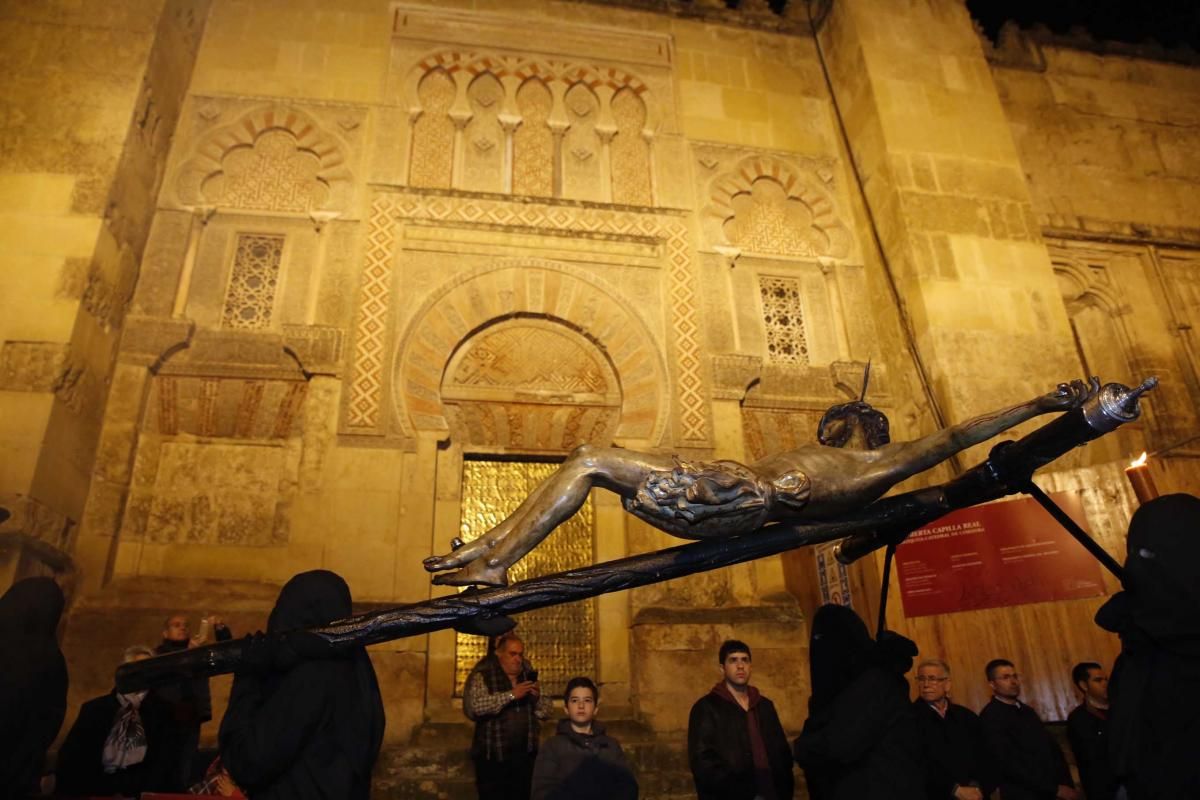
(770, 204)
(630, 151)
(533, 141)
(266, 156)
(235, 408)
(433, 132)
(418, 373)
(210, 493)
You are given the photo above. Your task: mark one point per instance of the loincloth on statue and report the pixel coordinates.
(697, 500)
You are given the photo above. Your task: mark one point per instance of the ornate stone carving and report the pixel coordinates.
(787, 342)
(483, 161)
(630, 151)
(418, 390)
(250, 297)
(264, 157)
(533, 141)
(770, 204)
(31, 366)
(432, 157)
(271, 174)
(366, 389)
(582, 176)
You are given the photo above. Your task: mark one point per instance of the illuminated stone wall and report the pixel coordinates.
(262, 309)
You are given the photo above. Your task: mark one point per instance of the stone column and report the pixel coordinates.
(948, 196)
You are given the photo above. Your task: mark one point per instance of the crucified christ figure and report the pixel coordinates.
(854, 464)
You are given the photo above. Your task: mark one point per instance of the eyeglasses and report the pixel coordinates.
(930, 679)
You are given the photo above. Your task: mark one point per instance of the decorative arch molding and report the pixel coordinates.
(465, 65)
(1079, 288)
(306, 164)
(820, 230)
(512, 288)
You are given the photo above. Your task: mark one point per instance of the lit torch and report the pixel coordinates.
(1140, 478)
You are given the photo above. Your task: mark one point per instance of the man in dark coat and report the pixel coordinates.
(736, 745)
(1154, 718)
(33, 682)
(120, 744)
(580, 761)
(189, 701)
(1087, 731)
(957, 763)
(1030, 763)
(304, 722)
(860, 739)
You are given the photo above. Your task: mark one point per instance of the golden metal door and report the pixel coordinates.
(560, 640)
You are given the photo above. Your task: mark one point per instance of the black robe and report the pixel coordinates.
(956, 753)
(860, 739)
(33, 682)
(80, 769)
(1030, 764)
(310, 731)
(1088, 735)
(1154, 708)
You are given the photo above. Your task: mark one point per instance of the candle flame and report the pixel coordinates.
(1139, 461)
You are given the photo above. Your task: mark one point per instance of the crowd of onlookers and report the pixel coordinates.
(305, 719)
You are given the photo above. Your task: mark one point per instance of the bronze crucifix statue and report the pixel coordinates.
(854, 464)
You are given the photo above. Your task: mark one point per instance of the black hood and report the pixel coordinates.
(1162, 572)
(311, 598)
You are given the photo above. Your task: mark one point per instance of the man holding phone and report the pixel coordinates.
(502, 697)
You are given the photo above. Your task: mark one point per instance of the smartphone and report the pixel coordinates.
(531, 675)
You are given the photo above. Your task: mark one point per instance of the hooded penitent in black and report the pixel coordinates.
(33, 681)
(1154, 715)
(860, 738)
(311, 730)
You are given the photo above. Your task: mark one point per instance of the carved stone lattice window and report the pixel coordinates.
(787, 342)
(630, 151)
(533, 143)
(433, 132)
(251, 293)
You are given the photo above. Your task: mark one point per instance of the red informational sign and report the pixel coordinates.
(998, 554)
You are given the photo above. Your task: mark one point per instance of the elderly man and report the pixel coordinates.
(957, 762)
(504, 699)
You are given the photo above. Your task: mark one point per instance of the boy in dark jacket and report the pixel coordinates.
(736, 746)
(580, 762)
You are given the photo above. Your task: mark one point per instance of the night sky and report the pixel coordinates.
(1171, 23)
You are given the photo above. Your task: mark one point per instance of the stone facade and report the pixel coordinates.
(303, 260)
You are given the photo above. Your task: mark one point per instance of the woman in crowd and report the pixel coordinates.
(581, 762)
(120, 744)
(33, 691)
(305, 721)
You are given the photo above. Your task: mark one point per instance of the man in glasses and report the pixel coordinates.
(957, 762)
(1031, 764)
